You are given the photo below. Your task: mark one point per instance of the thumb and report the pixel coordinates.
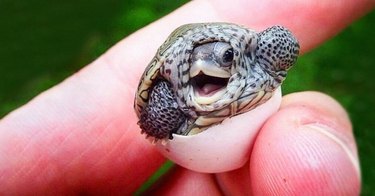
(306, 148)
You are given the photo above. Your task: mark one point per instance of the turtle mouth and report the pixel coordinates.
(207, 88)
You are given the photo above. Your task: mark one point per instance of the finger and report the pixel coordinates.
(181, 181)
(306, 148)
(82, 132)
(236, 182)
(306, 19)
(80, 136)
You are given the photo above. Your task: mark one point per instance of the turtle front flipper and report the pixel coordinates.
(277, 50)
(161, 116)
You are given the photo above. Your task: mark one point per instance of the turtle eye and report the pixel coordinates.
(227, 57)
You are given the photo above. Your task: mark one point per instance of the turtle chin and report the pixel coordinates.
(208, 89)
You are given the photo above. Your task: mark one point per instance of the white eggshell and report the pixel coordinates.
(222, 147)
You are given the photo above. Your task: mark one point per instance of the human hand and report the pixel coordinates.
(81, 136)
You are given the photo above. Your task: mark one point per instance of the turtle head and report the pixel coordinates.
(277, 49)
(210, 70)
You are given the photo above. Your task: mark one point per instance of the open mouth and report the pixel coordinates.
(206, 85)
(208, 89)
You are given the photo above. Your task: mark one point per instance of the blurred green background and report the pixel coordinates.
(42, 42)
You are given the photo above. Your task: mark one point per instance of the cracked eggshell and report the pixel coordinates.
(223, 147)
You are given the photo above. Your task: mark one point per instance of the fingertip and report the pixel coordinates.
(307, 147)
(320, 102)
(181, 181)
(236, 182)
(322, 110)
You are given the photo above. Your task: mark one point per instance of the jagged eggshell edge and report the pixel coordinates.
(223, 147)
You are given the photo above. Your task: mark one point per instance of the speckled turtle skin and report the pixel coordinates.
(246, 65)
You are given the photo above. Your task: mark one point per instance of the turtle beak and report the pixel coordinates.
(208, 68)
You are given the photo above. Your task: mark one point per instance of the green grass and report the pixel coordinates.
(41, 43)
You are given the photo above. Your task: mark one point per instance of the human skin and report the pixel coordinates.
(81, 136)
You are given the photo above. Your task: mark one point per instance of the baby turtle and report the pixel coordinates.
(207, 72)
